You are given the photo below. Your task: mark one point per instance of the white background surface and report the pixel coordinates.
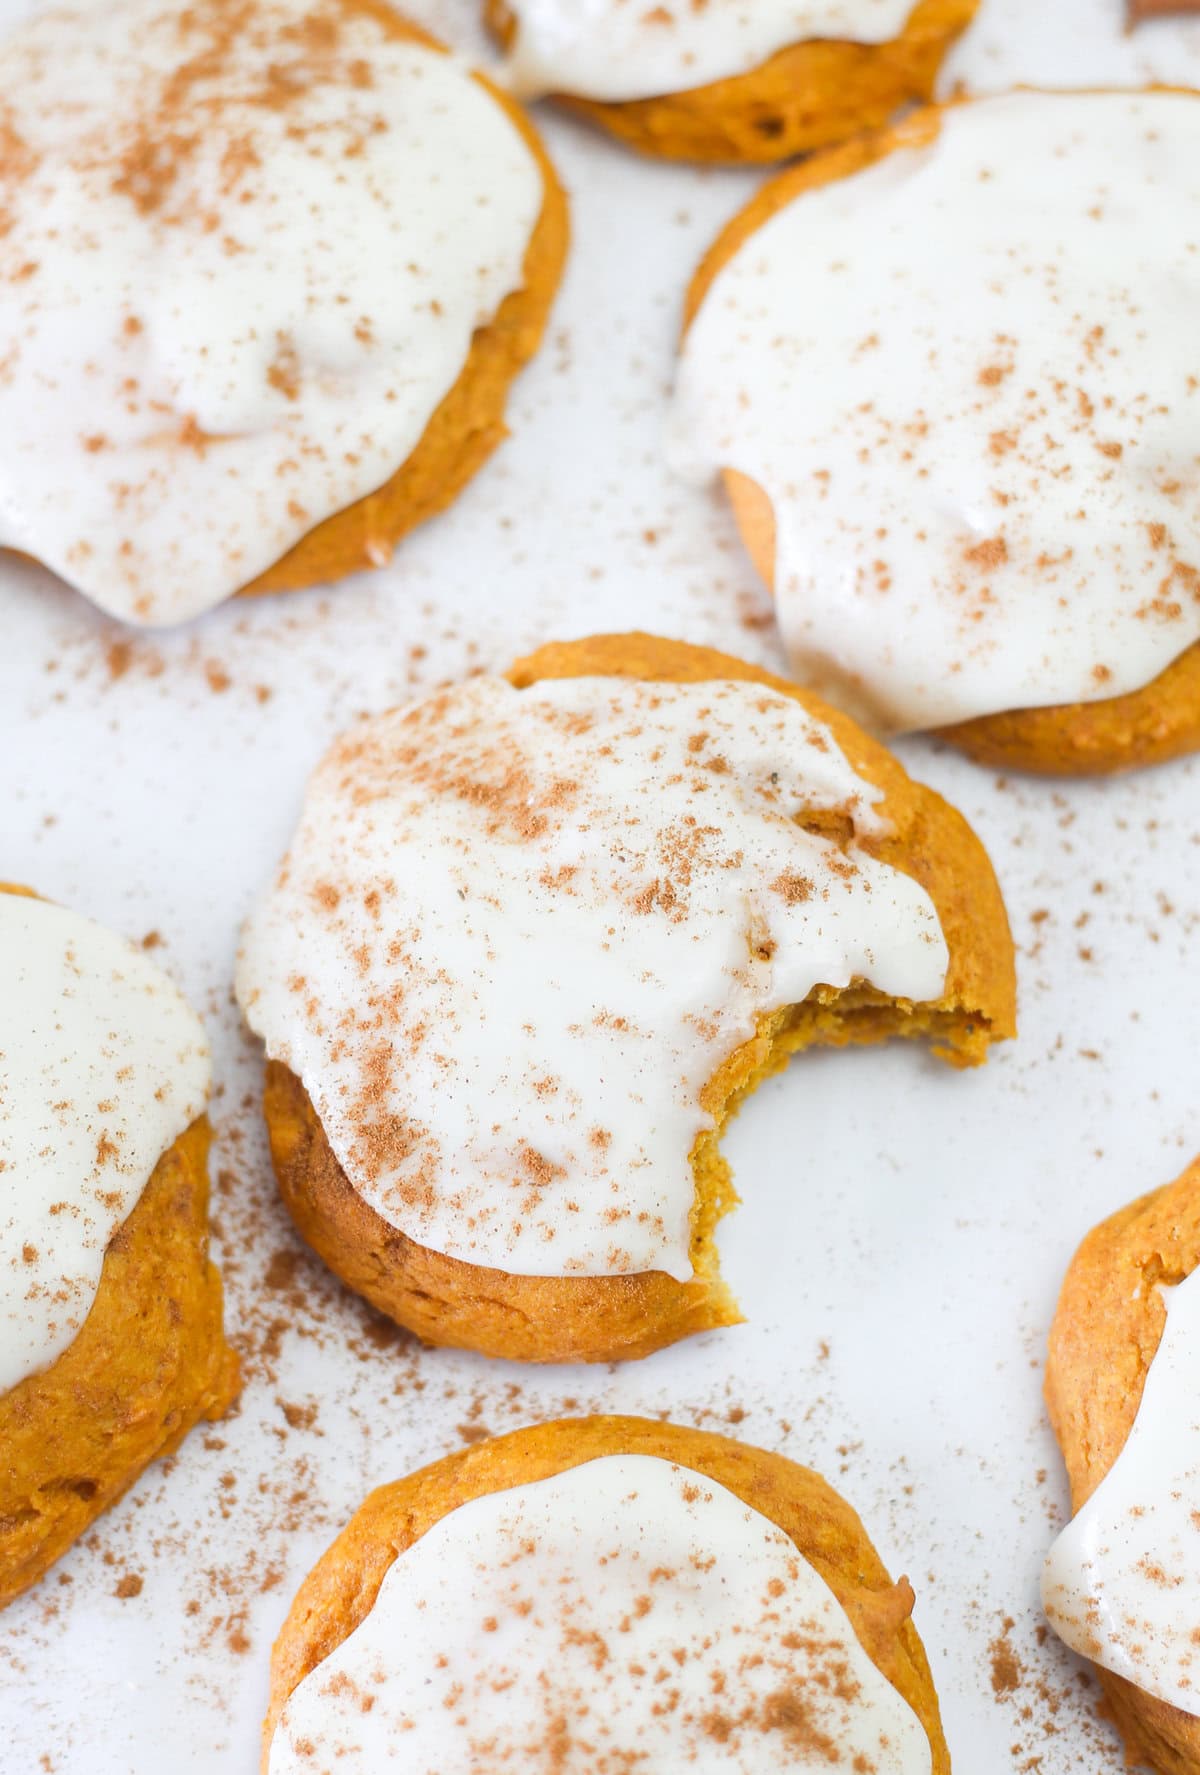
(904, 1228)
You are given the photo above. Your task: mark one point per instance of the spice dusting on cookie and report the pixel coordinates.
(628, 1613)
(653, 1178)
(244, 247)
(614, 51)
(997, 507)
(518, 932)
(102, 1066)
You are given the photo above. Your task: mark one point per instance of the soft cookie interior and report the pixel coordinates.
(602, 1318)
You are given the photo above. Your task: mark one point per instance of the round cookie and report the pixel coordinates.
(337, 1598)
(974, 526)
(518, 1310)
(1108, 1330)
(386, 218)
(149, 1359)
(803, 95)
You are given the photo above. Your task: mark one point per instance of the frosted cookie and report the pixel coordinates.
(111, 1345)
(599, 1594)
(266, 273)
(970, 473)
(731, 80)
(1122, 1582)
(534, 941)
(1074, 43)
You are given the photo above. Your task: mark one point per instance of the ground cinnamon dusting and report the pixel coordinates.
(435, 837)
(1053, 1714)
(1007, 1671)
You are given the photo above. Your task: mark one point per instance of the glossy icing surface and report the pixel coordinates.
(103, 1065)
(1074, 43)
(968, 380)
(517, 933)
(244, 253)
(612, 50)
(626, 1614)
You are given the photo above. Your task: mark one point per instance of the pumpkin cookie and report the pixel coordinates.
(267, 273)
(535, 940)
(111, 1345)
(1120, 1584)
(520, 1602)
(726, 81)
(970, 475)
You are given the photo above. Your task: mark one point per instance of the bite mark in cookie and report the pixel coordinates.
(534, 941)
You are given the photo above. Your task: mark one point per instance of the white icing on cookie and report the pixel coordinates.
(617, 50)
(1074, 43)
(626, 1614)
(518, 932)
(968, 378)
(103, 1065)
(1121, 1583)
(245, 253)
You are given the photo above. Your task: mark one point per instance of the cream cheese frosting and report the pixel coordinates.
(244, 250)
(1074, 43)
(614, 50)
(968, 380)
(626, 1614)
(103, 1064)
(1121, 1584)
(517, 932)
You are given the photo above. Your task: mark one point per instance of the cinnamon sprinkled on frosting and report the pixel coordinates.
(518, 932)
(615, 50)
(244, 245)
(102, 1066)
(625, 1615)
(968, 380)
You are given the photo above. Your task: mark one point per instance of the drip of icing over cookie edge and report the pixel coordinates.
(613, 51)
(244, 251)
(103, 1065)
(518, 932)
(626, 1613)
(968, 380)
(1121, 1584)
